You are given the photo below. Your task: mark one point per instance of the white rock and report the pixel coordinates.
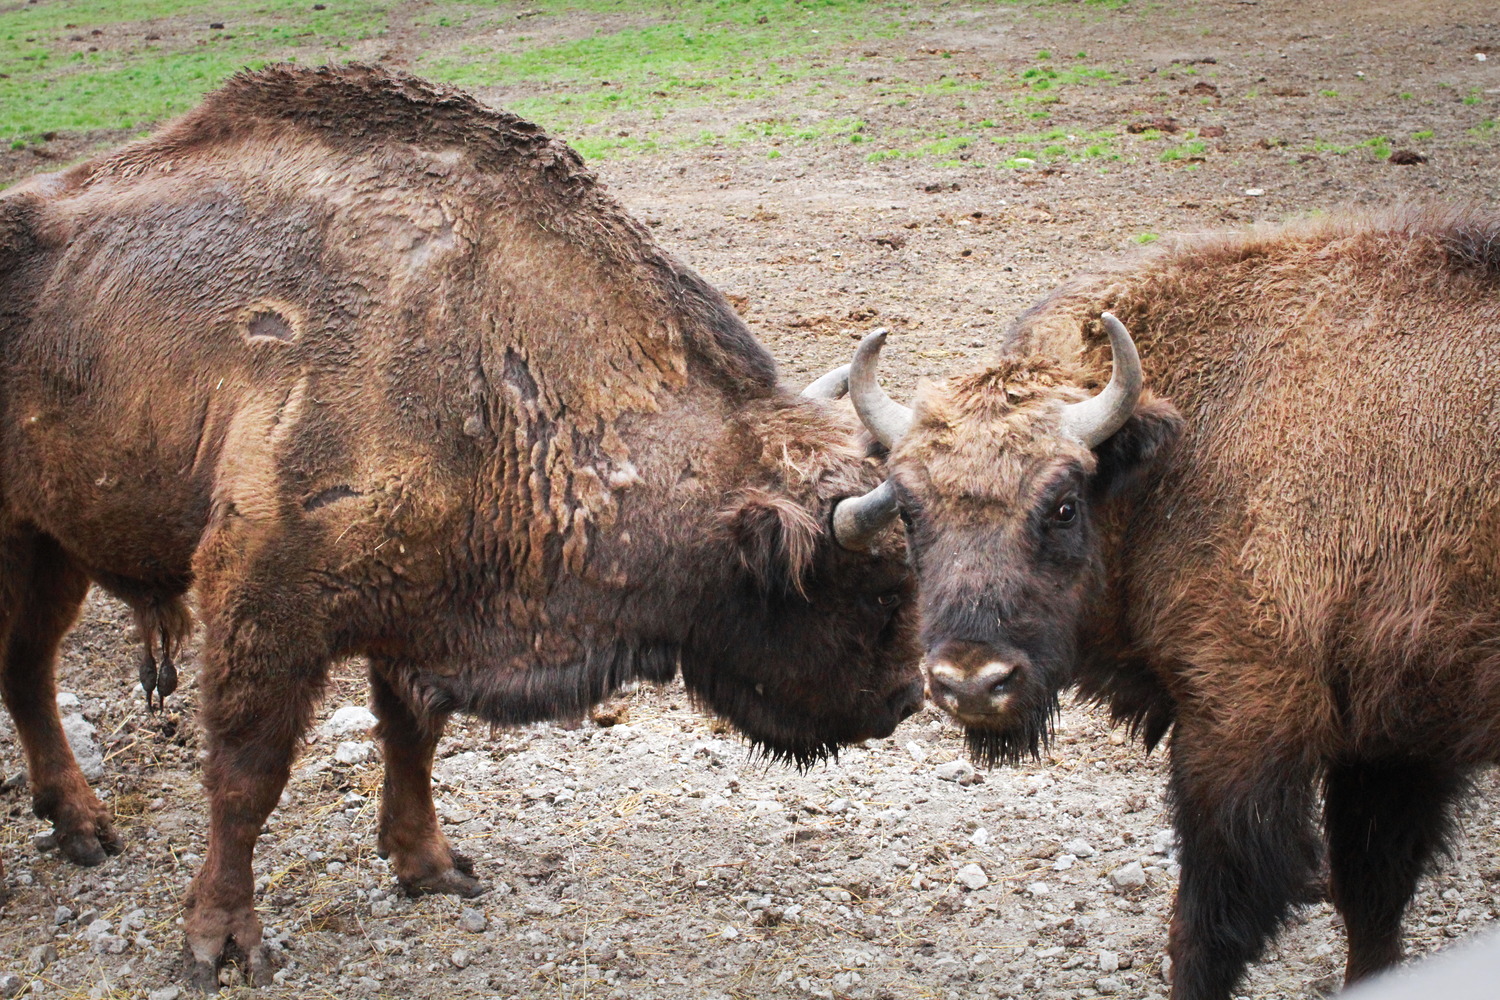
(1255, 192)
(472, 920)
(955, 770)
(1039, 889)
(80, 736)
(917, 753)
(1109, 961)
(1108, 984)
(68, 702)
(1131, 876)
(1164, 842)
(460, 958)
(165, 993)
(1079, 849)
(352, 752)
(979, 837)
(837, 807)
(348, 720)
(972, 876)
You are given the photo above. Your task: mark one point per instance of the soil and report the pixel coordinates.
(653, 856)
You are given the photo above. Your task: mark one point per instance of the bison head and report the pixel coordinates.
(812, 644)
(1005, 479)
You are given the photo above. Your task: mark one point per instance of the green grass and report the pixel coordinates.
(654, 62)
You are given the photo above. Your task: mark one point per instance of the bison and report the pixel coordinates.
(1286, 551)
(374, 370)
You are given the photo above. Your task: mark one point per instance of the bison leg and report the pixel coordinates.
(1249, 851)
(1383, 822)
(256, 706)
(43, 589)
(409, 833)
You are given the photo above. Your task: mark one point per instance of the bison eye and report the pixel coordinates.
(889, 600)
(1065, 512)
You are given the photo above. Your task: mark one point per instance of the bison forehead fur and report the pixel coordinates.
(378, 370)
(1289, 555)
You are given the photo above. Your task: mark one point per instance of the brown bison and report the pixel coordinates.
(1289, 555)
(375, 370)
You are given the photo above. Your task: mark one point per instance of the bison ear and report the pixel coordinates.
(775, 538)
(1127, 453)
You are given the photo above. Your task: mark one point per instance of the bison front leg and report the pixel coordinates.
(1248, 850)
(410, 836)
(256, 706)
(1383, 822)
(42, 590)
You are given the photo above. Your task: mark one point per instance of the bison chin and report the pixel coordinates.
(1022, 737)
(780, 727)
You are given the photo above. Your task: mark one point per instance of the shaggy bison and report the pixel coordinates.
(1288, 555)
(377, 371)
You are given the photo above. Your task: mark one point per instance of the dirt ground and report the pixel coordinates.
(655, 858)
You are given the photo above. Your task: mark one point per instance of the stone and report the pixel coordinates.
(954, 770)
(62, 915)
(460, 958)
(40, 957)
(348, 720)
(165, 993)
(11, 985)
(472, 920)
(1079, 849)
(353, 752)
(80, 736)
(972, 877)
(1108, 984)
(1131, 876)
(1109, 961)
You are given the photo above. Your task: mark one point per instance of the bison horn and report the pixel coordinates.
(831, 385)
(882, 415)
(857, 520)
(1092, 421)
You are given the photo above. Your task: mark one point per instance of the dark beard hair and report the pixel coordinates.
(1027, 738)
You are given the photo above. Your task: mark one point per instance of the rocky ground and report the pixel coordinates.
(654, 857)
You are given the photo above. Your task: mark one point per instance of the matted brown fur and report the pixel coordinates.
(1291, 553)
(380, 371)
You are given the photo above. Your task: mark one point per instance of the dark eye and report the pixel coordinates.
(1066, 512)
(890, 599)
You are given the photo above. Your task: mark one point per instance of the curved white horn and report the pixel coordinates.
(882, 415)
(1092, 421)
(829, 385)
(857, 520)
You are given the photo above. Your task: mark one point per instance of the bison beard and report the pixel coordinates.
(378, 371)
(1026, 739)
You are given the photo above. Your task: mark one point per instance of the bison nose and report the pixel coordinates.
(907, 700)
(978, 690)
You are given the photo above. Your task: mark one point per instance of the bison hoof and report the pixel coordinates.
(208, 977)
(458, 880)
(89, 847)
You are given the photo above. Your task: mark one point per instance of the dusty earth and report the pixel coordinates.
(655, 857)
